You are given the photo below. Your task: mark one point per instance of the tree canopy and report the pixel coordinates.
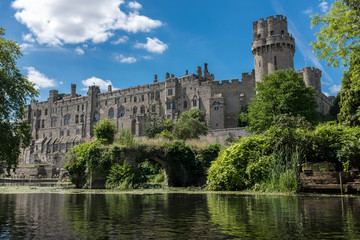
(338, 43)
(15, 91)
(105, 131)
(191, 124)
(282, 92)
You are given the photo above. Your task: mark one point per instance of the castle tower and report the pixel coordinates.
(273, 48)
(312, 77)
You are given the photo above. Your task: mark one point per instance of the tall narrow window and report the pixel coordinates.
(46, 111)
(77, 119)
(194, 102)
(142, 109)
(275, 62)
(67, 119)
(135, 110)
(111, 113)
(121, 112)
(82, 118)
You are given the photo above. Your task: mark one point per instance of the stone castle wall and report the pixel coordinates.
(60, 123)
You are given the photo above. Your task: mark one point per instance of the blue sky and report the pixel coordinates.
(126, 42)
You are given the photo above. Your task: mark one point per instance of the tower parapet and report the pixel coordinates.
(312, 77)
(273, 47)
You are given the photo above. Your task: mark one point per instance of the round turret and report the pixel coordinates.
(273, 48)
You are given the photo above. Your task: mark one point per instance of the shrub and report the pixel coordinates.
(105, 131)
(121, 176)
(191, 124)
(165, 134)
(126, 137)
(229, 170)
(208, 154)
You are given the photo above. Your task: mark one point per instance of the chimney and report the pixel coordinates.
(167, 75)
(186, 72)
(155, 79)
(73, 90)
(198, 71)
(109, 88)
(172, 75)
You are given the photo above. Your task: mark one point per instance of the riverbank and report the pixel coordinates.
(191, 190)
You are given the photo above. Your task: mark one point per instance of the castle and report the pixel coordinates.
(60, 123)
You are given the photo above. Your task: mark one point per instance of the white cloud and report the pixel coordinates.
(79, 51)
(25, 47)
(55, 22)
(153, 45)
(309, 11)
(40, 80)
(134, 5)
(335, 88)
(147, 57)
(28, 38)
(103, 84)
(324, 6)
(326, 94)
(123, 39)
(121, 58)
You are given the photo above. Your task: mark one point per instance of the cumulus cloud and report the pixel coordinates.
(79, 51)
(308, 11)
(120, 40)
(324, 6)
(134, 5)
(103, 84)
(25, 47)
(28, 38)
(335, 88)
(40, 80)
(153, 45)
(122, 59)
(55, 22)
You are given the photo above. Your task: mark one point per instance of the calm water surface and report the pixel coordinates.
(177, 216)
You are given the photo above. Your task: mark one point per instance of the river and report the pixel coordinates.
(177, 216)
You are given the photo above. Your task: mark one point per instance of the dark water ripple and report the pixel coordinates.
(177, 216)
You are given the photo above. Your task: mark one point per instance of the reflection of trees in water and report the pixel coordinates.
(29, 216)
(176, 216)
(284, 217)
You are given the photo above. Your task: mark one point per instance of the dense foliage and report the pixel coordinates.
(338, 43)
(282, 92)
(270, 161)
(191, 124)
(15, 91)
(105, 131)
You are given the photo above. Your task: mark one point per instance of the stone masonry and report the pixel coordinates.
(60, 123)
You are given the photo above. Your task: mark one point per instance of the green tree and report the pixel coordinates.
(240, 121)
(191, 124)
(155, 124)
(335, 107)
(15, 91)
(105, 131)
(338, 43)
(282, 92)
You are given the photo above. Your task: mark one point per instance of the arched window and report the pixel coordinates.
(135, 99)
(77, 119)
(43, 123)
(96, 117)
(142, 109)
(53, 121)
(194, 102)
(121, 112)
(46, 111)
(67, 119)
(135, 110)
(82, 118)
(111, 113)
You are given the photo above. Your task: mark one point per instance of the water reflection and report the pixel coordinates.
(180, 216)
